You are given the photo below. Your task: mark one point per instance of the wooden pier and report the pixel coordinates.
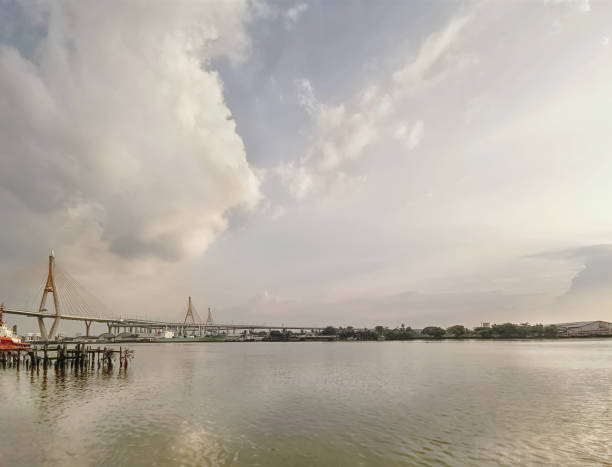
(63, 356)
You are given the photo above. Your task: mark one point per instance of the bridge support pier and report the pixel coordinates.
(44, 335)
(43, 329)
(53, 328)
(87, 326)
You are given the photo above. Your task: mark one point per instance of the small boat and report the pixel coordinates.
(9, 340)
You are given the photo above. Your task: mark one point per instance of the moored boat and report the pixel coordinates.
(8, 339)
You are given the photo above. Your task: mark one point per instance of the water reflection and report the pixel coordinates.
(320, 404)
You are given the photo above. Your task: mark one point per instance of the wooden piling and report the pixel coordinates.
(78, 357)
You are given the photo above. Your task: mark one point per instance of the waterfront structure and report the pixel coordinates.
(69, 305)
(32, 336)
(585, 328)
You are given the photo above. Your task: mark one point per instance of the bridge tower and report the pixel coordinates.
(189, 314)
(49, 289)
(209, 318)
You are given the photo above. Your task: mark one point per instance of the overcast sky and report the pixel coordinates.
(320, 162)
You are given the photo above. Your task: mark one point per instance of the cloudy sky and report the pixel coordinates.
(313, 162)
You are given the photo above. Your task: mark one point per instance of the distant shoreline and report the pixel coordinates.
(330, 339)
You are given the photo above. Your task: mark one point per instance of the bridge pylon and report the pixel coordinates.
(189, 314)
(49, 289)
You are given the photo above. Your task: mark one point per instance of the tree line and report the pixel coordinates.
(458, 331)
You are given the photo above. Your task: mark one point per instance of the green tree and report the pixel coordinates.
(551, 331)
(366, 335)
(485, 333)
(346, 333)
(506, 330)
(399, 334)
(457, 330)
(434, 331)
(329, 331)
(276, 335)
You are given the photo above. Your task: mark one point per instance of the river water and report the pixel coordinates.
(329, 404)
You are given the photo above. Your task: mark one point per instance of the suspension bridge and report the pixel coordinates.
(70, 301)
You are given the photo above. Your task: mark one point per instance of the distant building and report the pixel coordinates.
(585, 328)
(106, 337)
(485, 325)
(164, 334)
(32, 336)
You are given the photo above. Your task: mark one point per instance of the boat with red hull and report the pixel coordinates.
(8, 339)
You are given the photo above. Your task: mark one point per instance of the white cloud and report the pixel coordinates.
(342, 133)
(343, 185)
(271, 210)
(306, 97)
(584, 6)
(339, 136)
(298, 179)
(293, 14)
(410, 138)
(119, 128)
(436, 58)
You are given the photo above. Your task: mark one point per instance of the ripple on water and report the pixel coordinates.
(341, 404)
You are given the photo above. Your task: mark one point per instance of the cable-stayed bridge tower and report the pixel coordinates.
(49, 289)
(189, 318)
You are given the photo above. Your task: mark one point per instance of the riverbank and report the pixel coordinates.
(324, 339)
(506, 331)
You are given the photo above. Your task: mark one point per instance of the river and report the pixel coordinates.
(328, 404)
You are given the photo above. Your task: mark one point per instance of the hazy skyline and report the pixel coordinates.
(353, 163)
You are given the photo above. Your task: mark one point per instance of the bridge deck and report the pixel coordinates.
(130, 322)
